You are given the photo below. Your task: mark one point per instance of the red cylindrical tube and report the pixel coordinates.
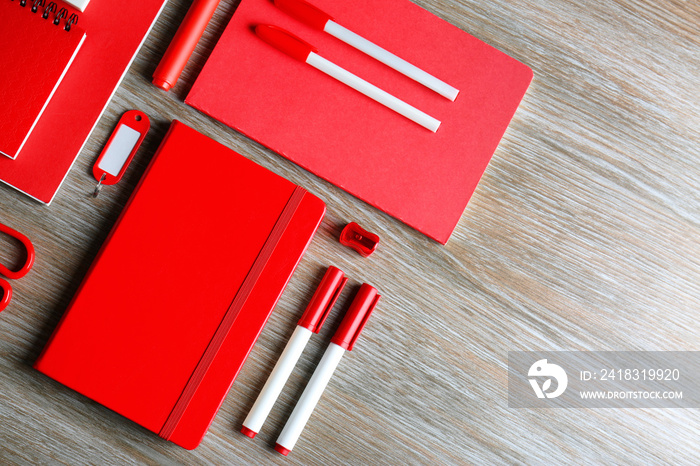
(184, 43)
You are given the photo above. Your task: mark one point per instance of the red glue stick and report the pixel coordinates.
(184, 43)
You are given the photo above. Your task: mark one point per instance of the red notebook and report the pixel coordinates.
(424, 179)
(115, 30)
(182, 287)
(35, 55)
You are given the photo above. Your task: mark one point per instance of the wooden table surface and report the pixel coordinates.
(584, 234)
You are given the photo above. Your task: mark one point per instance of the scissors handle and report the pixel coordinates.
(30, 256)
(6, 294)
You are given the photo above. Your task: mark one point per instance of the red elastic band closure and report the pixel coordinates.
(231, 314)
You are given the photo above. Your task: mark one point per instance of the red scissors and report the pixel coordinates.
(28, 263)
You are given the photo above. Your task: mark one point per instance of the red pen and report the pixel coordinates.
(294, 47)
(317, 19)
(183, 44)
(344, 339)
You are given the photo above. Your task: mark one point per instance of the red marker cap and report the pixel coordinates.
(285, 41)
(304, 12)
(323, 299)
(356, 318)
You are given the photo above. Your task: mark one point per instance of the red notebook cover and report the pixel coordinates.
(424, 179)
(182, 287)
(35, 54)
(115, 31)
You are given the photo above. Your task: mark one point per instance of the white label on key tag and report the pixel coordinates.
(119, 149)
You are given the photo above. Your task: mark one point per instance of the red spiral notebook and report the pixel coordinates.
(115, 31)
(35, 55)
(182, 287)
(424, 179)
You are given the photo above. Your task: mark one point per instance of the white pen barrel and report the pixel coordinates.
(391, 60)
(312, 393)
(373, 92)
(278, 377)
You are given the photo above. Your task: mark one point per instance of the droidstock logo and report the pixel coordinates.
(543, 369)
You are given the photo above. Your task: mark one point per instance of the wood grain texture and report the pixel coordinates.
(583, 235)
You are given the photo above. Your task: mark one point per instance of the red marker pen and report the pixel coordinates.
(183, 44)
(343, 340)
(311, 322)
(296, 48)
(317, 19)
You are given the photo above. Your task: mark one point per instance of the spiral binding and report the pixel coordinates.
(50, 9)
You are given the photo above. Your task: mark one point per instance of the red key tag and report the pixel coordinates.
(120, 149)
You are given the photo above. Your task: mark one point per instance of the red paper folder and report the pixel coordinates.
(182, 287)
(115, 31)
(424, 179)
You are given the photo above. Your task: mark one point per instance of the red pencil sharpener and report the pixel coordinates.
(361, 240)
